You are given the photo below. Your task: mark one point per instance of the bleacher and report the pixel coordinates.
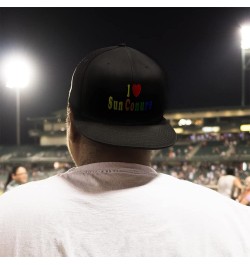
(215, 149)
(176, 152)
(35, 154)
(207, 150)
(243, 148)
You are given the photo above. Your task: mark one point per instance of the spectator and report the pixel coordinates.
(17, 176)
(113, 203)
(244, 198)
(228, 183)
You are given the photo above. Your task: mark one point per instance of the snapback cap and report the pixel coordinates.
(118, 97)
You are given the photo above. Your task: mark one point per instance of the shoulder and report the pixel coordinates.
(197, 196)
(201, 205)
(12, 185)
(26, 195)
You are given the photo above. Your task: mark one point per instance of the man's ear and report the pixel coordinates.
(73, 134)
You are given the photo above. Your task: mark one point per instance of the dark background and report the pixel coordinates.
(198, 47)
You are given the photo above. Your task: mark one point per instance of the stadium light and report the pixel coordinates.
(17, 73)
(184, 122)
(244, 166)
(245, 37)
(245, 50)
(179, 130)
(245, 127)
(208, 129)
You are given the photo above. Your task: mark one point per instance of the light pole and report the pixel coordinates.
(17, 73)
(245, 59)
(18, 122)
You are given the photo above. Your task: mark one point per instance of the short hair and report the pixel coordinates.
(230, 171)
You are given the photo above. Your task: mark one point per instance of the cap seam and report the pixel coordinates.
(131, 64)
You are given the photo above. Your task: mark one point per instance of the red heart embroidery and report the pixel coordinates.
(136, 89)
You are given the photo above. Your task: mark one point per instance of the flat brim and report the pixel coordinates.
(151, 137)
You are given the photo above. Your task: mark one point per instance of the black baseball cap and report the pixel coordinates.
(118, 97)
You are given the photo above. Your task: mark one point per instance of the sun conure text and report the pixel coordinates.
(128, 104)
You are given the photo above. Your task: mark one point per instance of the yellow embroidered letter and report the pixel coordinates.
(110, 104)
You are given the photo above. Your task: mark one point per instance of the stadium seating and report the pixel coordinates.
(198, 159)
(36, 154)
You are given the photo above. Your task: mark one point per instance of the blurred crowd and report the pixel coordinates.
(207, 173)
(202, 173)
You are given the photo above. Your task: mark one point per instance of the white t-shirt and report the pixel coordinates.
(120, 209)
(225, 185)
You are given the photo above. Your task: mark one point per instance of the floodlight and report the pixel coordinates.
(245, 37)
(17, 71)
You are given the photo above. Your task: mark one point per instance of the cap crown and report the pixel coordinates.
(119, 85)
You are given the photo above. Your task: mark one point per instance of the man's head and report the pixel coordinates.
(230, 171)
(116, 103)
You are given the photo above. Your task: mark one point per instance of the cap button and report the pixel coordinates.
(122, 44)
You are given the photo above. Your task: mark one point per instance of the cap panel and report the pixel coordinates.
(107, 75)
(110, 94)
(77, 90)
(154, 76)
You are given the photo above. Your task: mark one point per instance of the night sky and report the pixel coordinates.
(198, 47)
